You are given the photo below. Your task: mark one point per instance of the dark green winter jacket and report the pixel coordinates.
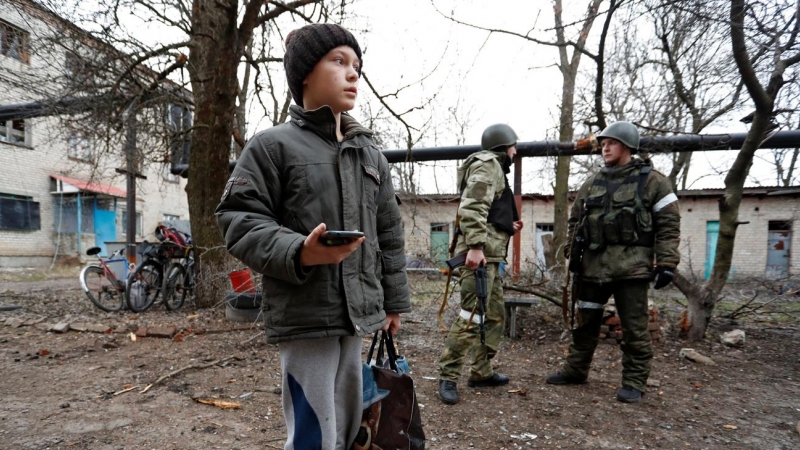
(626, 233)
(289, 179)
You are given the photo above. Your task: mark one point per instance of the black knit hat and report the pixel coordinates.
(306, 46)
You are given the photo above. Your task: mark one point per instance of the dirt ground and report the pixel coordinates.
(63, 391)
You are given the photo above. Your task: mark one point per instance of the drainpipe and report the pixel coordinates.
(80, 225)
(515, 258)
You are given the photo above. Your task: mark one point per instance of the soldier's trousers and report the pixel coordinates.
(464, 337)
(630, 297)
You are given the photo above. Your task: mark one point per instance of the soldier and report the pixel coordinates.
(629, 219)
(488, 218)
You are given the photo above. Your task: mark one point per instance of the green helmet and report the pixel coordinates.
(498, 135)
(625, 132)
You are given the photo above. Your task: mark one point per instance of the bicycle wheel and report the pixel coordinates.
(175, 287)
(144, 286)
(100, 290)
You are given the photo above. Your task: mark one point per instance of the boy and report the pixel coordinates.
(321, 170)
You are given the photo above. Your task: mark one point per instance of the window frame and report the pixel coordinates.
(18, 49)
(34, 213)
(23, 134)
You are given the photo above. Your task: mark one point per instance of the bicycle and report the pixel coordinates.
(145, 282)
(179, 280)
(101, 285)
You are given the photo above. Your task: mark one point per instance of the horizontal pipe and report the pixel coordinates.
(69, 105)
(652, 144)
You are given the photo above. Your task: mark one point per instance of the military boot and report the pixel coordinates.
(497, 379)
(627, 394)
(558, 378)
(448, 392)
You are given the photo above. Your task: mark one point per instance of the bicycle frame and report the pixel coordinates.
(108, 273)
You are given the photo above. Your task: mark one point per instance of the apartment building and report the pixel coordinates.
(62, 186)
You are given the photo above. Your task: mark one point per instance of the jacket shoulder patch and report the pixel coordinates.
(477, 191)
(233, 181)
(373, 172)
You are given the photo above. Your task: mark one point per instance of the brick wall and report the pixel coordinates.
(750, 250)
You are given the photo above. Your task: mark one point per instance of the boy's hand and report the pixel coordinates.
(517, 226)
(392, 323)
(314, 252)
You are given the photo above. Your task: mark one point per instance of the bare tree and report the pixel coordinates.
(569, 66)
(763, 37)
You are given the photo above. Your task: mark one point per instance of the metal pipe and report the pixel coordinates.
(652, 144)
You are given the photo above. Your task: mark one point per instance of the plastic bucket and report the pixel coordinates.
(242, 281)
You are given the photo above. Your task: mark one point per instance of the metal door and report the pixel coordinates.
(712, 234)
(778, 254)
(440, 242)
(105, 229)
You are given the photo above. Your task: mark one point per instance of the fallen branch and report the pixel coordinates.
(248, 341)
(182, 369)
(224, 404)
(537, 292)
(223, 330)
(127, 389)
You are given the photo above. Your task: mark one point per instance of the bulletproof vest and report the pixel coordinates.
(615, 212)
(503, 212)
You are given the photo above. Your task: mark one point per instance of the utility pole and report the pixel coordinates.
(131, 169)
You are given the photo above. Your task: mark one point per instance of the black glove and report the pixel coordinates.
(663, 276)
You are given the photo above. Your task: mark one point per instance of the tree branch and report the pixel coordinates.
(748, 73)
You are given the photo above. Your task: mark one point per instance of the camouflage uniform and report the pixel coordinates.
(484, 180)
(630, 221)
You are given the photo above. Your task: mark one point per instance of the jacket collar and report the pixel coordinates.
(619, 171)
(323, 122)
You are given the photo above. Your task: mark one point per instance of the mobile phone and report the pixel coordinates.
(339, 237)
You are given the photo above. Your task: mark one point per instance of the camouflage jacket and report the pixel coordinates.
(483, 181)
(626, 233)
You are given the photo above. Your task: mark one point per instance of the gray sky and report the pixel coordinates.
(477, 78)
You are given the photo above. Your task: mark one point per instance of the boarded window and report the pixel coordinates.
(14, 42)
(18, 212)
(15, 131)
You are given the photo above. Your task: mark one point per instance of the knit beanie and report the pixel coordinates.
(306, 46)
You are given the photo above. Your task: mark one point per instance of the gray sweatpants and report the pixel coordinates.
(321, 392)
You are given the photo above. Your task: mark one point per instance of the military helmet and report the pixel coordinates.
(625, 132)
(498, 135)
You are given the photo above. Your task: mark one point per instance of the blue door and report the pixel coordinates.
(712, 234)
(440, 238)
(778, 252)
(105, 227)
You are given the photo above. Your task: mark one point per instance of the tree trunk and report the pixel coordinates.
(214, 81)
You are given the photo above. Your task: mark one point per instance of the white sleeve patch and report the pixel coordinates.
(671, 198)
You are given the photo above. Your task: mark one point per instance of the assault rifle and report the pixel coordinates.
(481, 288)
(575, 266)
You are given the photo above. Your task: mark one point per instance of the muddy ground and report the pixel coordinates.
(64, 391)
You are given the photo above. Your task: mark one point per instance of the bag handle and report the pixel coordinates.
(391, 351)
(372, 347)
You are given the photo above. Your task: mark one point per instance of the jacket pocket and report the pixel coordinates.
(371, 180)
(620, 224)
(592, 224)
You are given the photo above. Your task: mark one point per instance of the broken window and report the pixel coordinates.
(15, 131)
(13, 42)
